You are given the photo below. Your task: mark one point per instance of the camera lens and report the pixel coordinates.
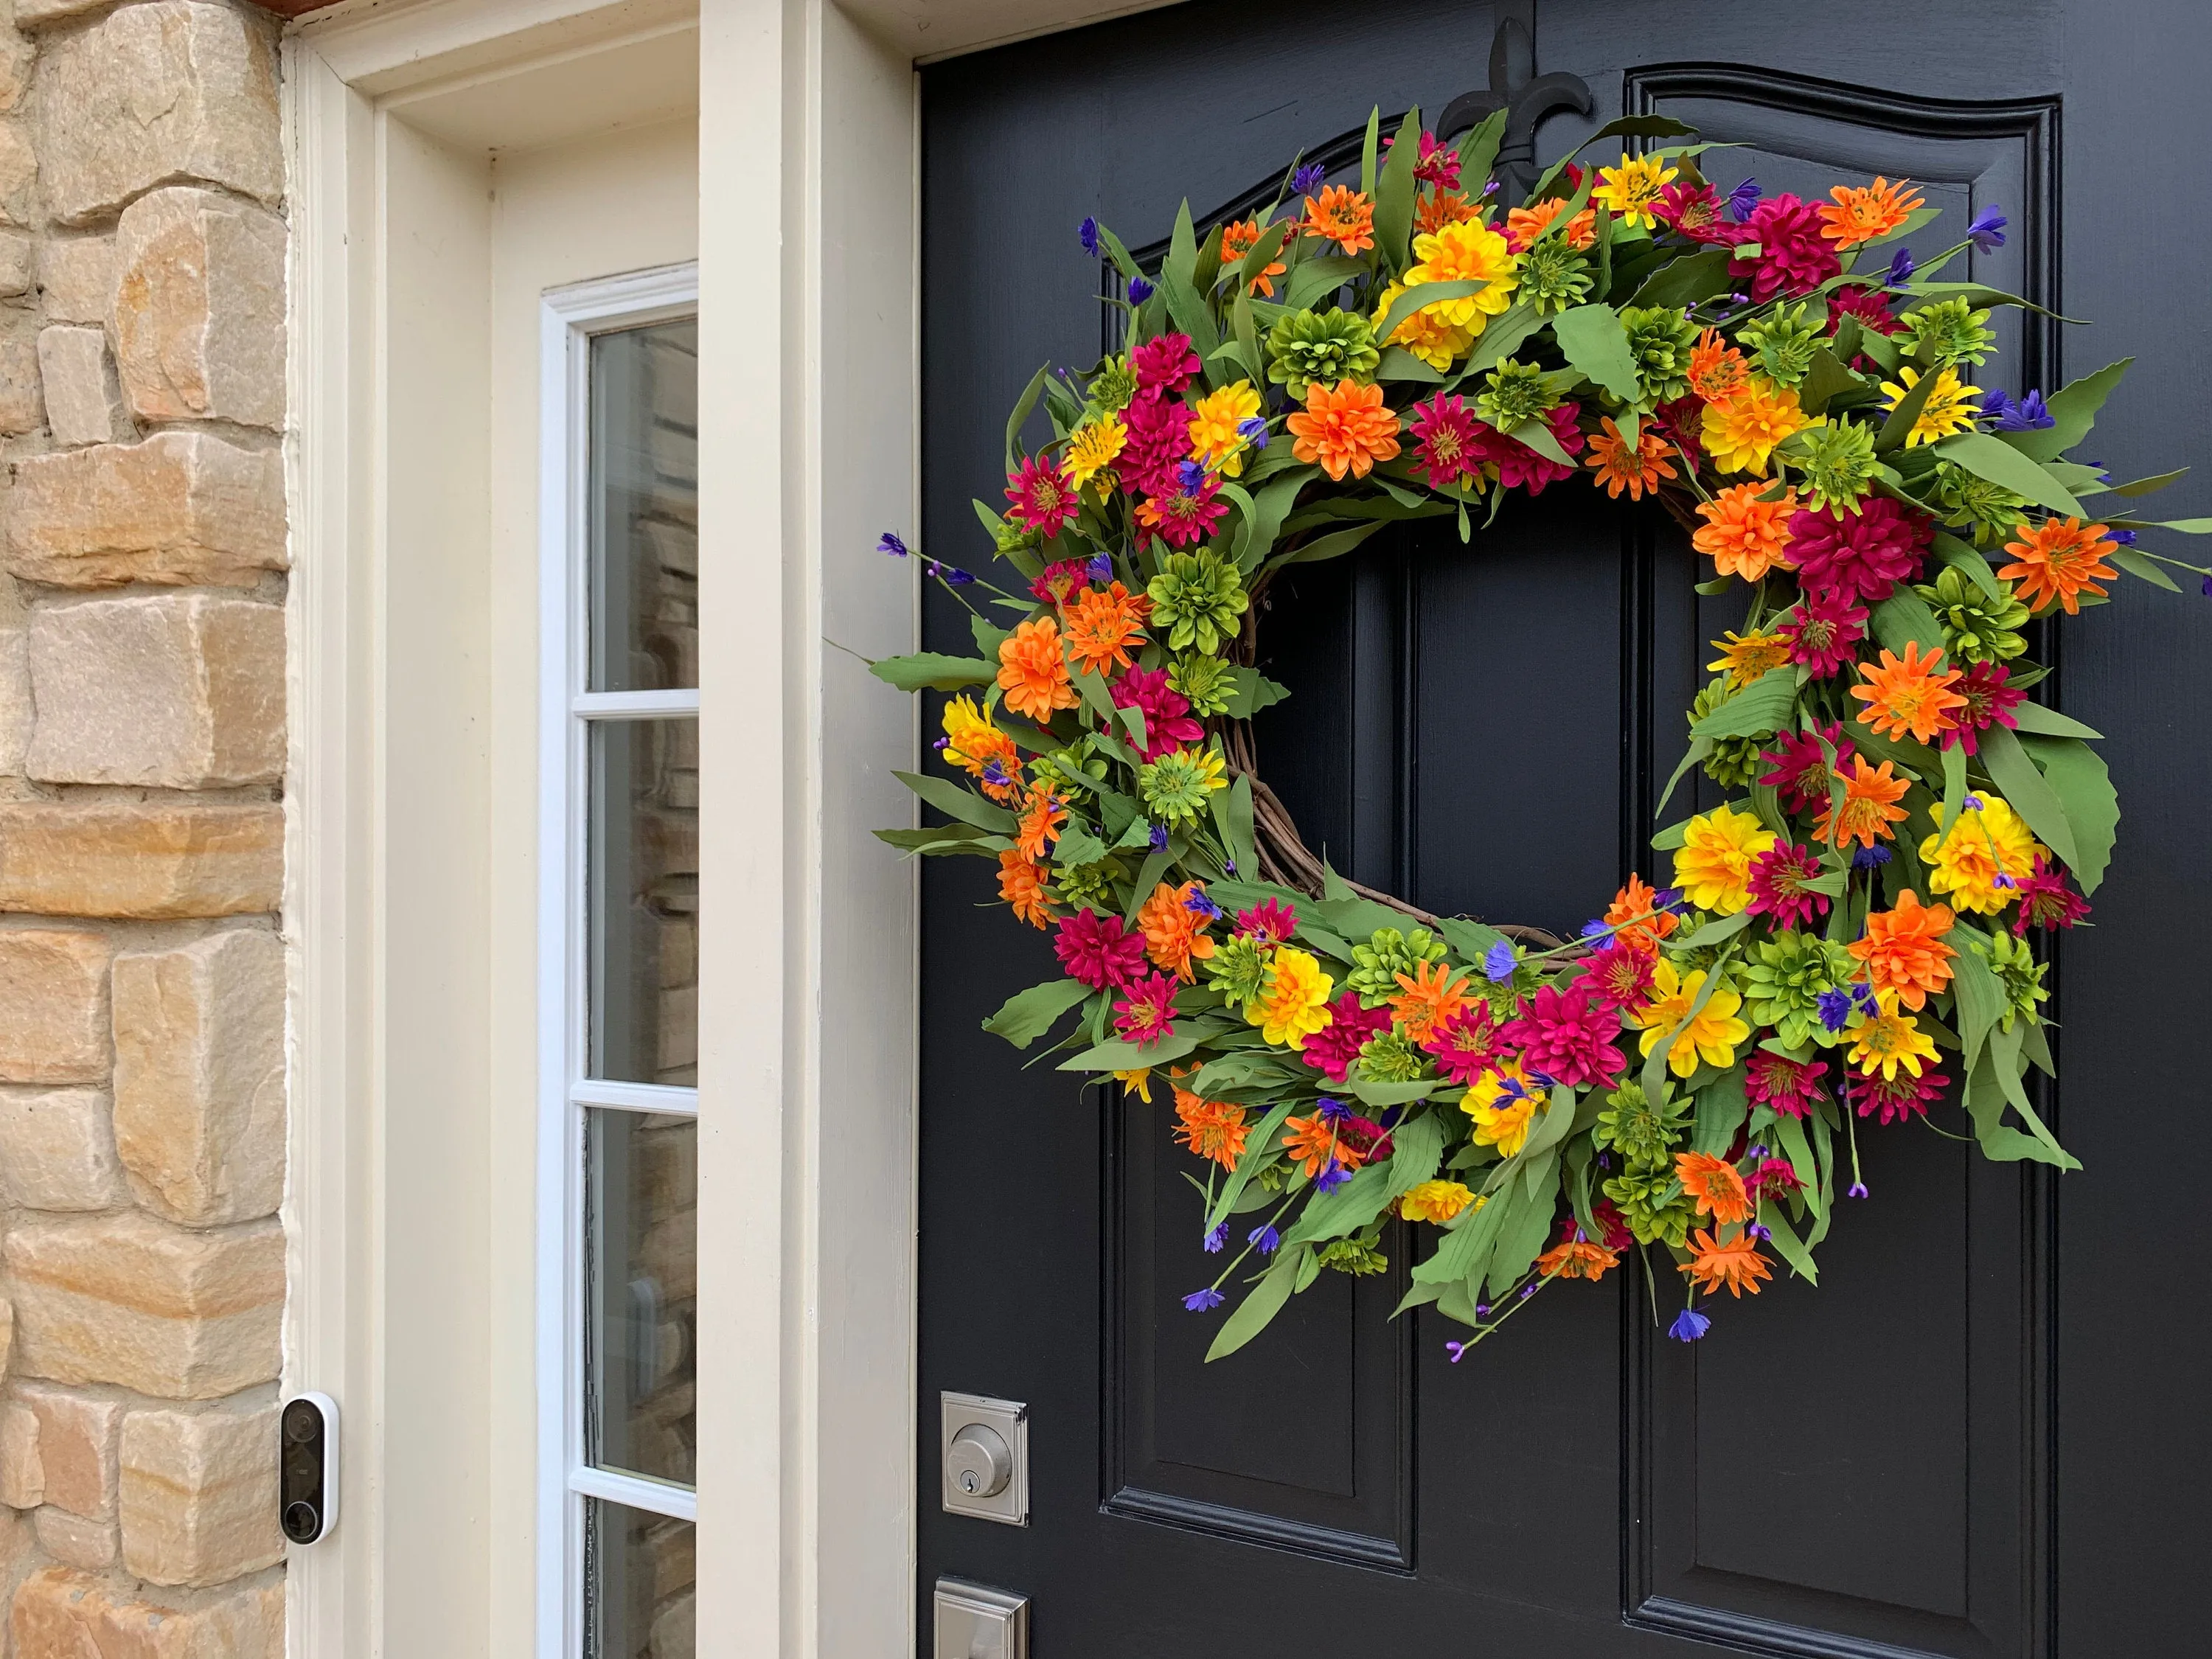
(301, 1521)
(302, 1422)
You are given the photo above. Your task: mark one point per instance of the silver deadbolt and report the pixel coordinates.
(979, 1463)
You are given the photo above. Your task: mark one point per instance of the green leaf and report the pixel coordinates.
(1687, 280)
(1315, 280)
(1829, 377)
(2150, 485)
(1259, 1146)
(1478, 148)
(1522, 1235)
(1539, 436)
(1953, 551)
(1256, 535)
(1955, 787)
(1400, 364)
(1422, 295)
(949, 797)
(1241, 845)
(1628, 126)
(1467, 1242)
(1980, 1001)
(2135, 564)
(1999, 462)
(1028, 1015)
(932, 671)
(1369, 148)
(1784, 1237)
(1077, 846)
(2072, 408)
(1595, 342)
(2019, 781)
(1254, 692)
(1501, 338)
(1761, 708)
(1717, 930)
(2078, 776)
(947, 840)
(1344, 1210)
(1471, 939)
(987, 639)
(1394, 196)
(1792, 1134)
(1905, 615)
(1116, 1055)
(2050, 723)
(1417, 1148)
(1722, 1107)
(1251, 1315)
(1024, 406)
(1331, 546)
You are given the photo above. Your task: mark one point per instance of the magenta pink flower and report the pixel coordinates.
(1168, 724)
(1569, 1036)
(1896, 1098)
(1451, 442)
(1990, 700)
(1793, 257)
(1060, 581)
(1619, 974)
(1270, 922)
(1465, 1044)
(1791, 1087)
(1801, 769)
(1147, 1013)
(1160, 438)
(1099, 950)
(1187, 514)
(1869, 305)
(2046, 901)
(1692, 211)
(1824, 631)
(1042, 499)
(1867, 552)
(1520, 467)
(1165, 364)
(1778, 885)
(1774, 1177)
(1336, 1045)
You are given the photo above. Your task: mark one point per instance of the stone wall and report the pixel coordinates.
(141, 755)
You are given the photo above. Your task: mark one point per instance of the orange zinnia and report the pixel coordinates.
(2059, 561)
(1870, 799)
(1905, 959)
(1340, 214)
(1716, 367)
(1239, 239)
(1102, 627)
(1744, 535)
(1635, 905)
(1716, 1185)
(1861, 214)
(1736, 1264)
(1618, 470)
(1021, 884)
(1042, 817)
(1033, 673)
(1313, 1142)
(1908, 695)
(1344, 427)
(1210, 1129)
(1174, 935)
(1576, 1259)
(1524, 225)
(1442, 208)
(1430, 997)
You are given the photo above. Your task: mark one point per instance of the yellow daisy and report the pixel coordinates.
(1713, 863)
(1741, 431)
(1095, 446)
(1951, 407)
(1632, 189)
(1889, 1041)
(1982, 845)
(1214, 419)
(1712, 1037)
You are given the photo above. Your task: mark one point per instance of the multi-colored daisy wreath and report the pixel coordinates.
(1854, 935)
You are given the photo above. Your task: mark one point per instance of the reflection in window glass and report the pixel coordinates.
(640, 1251)
(643, 856)
(638, 1584)
(644, 508)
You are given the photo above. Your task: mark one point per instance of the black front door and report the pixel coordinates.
(1985, 1432)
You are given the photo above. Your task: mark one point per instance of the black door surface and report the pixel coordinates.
(1986, 1432)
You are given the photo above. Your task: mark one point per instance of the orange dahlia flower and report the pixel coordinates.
(1744, 535)
(1870, 805)
(1716, 368)
(2059, 561)
(1441, 208)
(1340, 214)
(1577, 1258)
(1714, 1182)
(1861, 214)
(1239, 239)
(1635, 906)
(1618, 468)
(1038, 826)
(1312, 1142)
(1905, 955)
(1103, 626)
(1032, 671)
(1210, 1129)
(1908, 694)
(1524, 225)
(1736, 1264)
(1346, 428)
(1430, 997)
(1021, 884)
(1174, 935)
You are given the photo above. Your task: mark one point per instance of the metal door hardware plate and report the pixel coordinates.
(973, 1622)
(984, 1452)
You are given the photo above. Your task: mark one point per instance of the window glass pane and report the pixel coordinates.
(640, 1251)
(638, 1583)
(644, 508)
(642, 847)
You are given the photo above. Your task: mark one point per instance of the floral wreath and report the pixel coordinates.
(1847, 937)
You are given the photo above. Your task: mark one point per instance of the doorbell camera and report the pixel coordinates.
(307, 1466)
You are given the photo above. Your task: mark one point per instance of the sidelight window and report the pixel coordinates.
(618, 982)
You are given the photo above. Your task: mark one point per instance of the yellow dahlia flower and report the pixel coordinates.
(1712, 1037)
(1983, 844)
(1094, 446)
(1951, 407)
(1713, 863)
(1214, 439)
(1741, 431)
(1466, 252)
(1889, 1041)
(1503, 1104)
(1293, 1000)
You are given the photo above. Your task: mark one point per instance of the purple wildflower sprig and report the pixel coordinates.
(951, 577)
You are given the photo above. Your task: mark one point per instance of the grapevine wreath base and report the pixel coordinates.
(1852, 937)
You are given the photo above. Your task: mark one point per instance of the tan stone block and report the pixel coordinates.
(180, 508)
(14, 262)
(84, 400)
(16, 53)
(77, 275)
(125, 1298)
(60, 1614)
(15, 712)
(199, 308)
(23, 1475)
(153, 94)
(199, 1113)
(199, 1495)
(152, 859)
(78, 1442)
(23, 407)
(19, 175)
(161, 691)
(76, 1540)
(57, 1151)
(7, 1335)
(53, 1006)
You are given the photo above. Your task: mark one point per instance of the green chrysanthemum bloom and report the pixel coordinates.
(1516, 391)
(1392, 1057)
(1089, 883)
(1654, 1205)
(1387, 954)
(1836, 463)
(1179, 786)
(1782, 982)
(1992, 514)
(1073, 770)
(1236, 966)
(1782, 342)
(1196, 601)
(1640, 1132)
(1554, 276)
(1272, 1177)
(1114, 386)
(1659, 339)
(1207, 682)
(1328, 346)
(1948, 332)
(1356, 1256)
(1734, 761)
(1012, 536)
(2019, 974)
(1976, 627)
